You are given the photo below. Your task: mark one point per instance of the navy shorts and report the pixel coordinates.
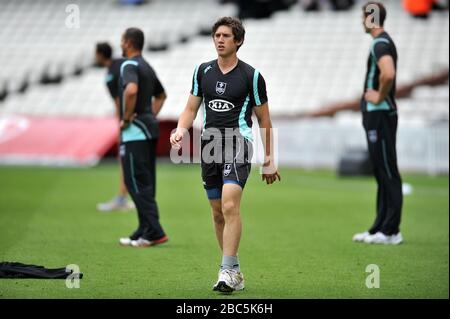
(225, 161)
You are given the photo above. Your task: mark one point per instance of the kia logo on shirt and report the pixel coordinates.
(220, 105)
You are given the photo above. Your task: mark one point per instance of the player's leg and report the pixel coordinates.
(381, 205)
(144, 185)
(218, 220)
(235, 172)
(127, 160)
(119, 202)
(212, 182)
(231, 202)
(235, 175)
(230, 276)
(123, 192)
(391, 225)
(375, 145)
(384, 161)
(371, 123)
(122, 187)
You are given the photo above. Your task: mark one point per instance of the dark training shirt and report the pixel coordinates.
(381, 46)
(229, 98)
(145, 126)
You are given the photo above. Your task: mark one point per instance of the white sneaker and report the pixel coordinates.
(141, 242)
(360, 236)
(117, 203)
(378, 238)
(125, 241)
(229, 281)
(396, 239)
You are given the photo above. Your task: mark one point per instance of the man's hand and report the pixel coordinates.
(270, 173)
(175, 139)
(373, 96)
(125, 123)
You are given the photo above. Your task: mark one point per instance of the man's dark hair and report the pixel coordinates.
(381, 9)
(235, 25)
(104, 49)
(136, 37)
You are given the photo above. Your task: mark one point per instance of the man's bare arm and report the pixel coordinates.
(158, 102)
(270, 173)
(186, 119)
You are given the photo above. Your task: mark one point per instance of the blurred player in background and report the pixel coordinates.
(103, 57)
(231, 90)
(379, 111)
(141, 97)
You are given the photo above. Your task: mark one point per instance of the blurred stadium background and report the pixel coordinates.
(314, 63)
(55, 111)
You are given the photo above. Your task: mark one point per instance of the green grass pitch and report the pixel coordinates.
(296, 239)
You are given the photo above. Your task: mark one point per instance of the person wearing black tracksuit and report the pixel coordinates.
(380, 119)
(141, 98)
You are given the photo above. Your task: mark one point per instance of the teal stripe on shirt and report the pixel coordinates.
(383, 106)
(133, 133)
(123, 65)
(195, 92)
(109, 78)
(375, 42)
(255, 87)
(244, 129)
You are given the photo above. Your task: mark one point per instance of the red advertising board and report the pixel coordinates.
(55, 141)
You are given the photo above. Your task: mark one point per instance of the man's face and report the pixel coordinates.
(224, 41)
(372, 18)
(366, 23)
(100, 59)
(124, 46)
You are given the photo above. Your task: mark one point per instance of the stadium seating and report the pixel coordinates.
(35, 39)
(313, 58)
(308, 59)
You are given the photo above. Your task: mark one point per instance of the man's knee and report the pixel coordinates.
(216, 208)
(218, 217)
(230, 208)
